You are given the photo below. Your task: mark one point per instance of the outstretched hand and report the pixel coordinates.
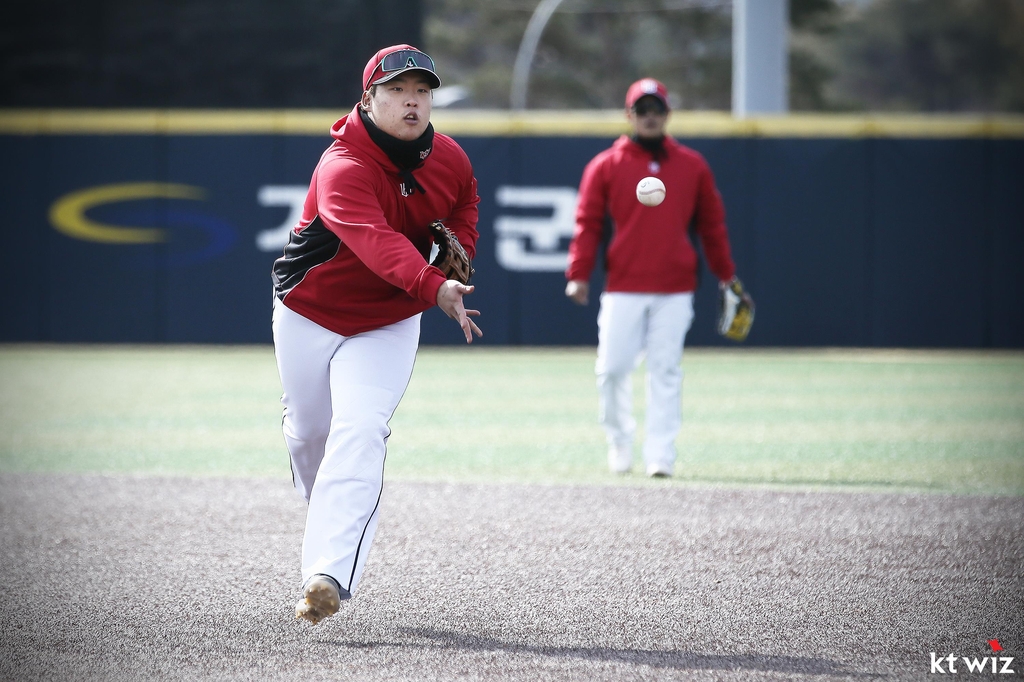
(449, 299)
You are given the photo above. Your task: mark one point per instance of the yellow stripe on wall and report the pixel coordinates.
(490, 123)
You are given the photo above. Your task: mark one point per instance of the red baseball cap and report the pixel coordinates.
(645, 87)
(396, 60)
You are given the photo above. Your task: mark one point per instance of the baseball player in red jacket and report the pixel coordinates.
(349, 291)
(647, 304)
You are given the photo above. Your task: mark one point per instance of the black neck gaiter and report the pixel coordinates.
(654, 145)
(406, 155)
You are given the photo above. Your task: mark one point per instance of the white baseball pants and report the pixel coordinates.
(339, 393)
(629, 324)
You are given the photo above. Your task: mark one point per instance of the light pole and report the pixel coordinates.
(527, 48)
(760, 63)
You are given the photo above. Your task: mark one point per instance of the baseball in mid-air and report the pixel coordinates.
(650, 191)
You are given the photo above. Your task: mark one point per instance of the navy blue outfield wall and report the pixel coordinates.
(121, 233)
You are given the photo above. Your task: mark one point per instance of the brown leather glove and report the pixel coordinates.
(451, 258)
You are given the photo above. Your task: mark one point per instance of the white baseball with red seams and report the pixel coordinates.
(650, 191)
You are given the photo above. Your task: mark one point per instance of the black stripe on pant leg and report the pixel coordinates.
(355, 563)
(355, 560)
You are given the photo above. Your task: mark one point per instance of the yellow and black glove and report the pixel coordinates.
(735, 310)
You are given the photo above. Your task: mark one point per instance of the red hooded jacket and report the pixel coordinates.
(357, 259)
(650, 251)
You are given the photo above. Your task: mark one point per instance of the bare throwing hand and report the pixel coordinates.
(449, 299)
(578, 290)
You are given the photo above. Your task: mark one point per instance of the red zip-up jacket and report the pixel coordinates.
(650, 250)
(357, 260)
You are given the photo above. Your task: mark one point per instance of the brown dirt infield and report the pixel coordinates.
(144, 578)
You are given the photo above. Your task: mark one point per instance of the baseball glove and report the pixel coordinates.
(735, 311)
(451, 258)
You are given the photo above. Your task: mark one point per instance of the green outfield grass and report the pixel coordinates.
(944, 421)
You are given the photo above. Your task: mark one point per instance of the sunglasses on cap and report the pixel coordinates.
(649, 105)
(404, 59)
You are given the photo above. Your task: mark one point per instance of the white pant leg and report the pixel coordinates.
(304, 350)
(621, 327)
(368, 374)
(668, 321)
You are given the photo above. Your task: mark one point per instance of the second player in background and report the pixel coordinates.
(647, 303)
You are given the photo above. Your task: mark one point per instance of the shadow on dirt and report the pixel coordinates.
(427, 638)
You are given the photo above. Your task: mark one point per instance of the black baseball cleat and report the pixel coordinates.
(659, 471)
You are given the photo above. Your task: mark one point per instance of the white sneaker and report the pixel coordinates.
(620, 458)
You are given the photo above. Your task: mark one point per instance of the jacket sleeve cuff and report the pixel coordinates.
(576, 274)
(427, 284)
